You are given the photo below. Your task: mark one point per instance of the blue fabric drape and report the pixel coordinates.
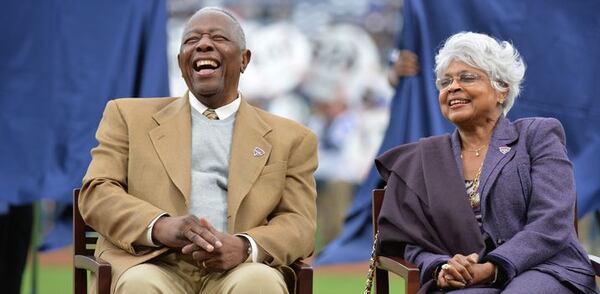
(559, 41)
(61, 62)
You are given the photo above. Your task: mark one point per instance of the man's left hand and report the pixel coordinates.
(232, 253)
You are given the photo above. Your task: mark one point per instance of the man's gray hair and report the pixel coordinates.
(238, 27)
(500, 60)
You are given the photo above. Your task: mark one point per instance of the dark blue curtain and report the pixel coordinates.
(61, 61)
(559, 41)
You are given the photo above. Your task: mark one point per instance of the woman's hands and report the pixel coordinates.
(463, 271)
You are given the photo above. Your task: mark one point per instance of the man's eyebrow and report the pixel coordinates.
(211, 31)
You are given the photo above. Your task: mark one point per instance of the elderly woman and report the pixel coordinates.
(489, 208)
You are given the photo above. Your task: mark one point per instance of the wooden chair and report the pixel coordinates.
(406, 270)
(304, 277)
(84, 243)
(384, 264)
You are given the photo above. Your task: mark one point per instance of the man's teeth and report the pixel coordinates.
(200, 63)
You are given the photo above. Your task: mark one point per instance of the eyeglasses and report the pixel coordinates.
(464, 79)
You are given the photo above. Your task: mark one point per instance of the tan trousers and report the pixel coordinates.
(172, 275)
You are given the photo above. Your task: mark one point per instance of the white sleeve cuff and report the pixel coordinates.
(147, 237)
(253, 247)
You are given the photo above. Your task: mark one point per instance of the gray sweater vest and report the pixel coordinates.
(211, 145)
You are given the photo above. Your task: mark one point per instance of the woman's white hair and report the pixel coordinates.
(498, 59)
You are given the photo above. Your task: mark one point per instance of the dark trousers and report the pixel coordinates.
(15, 235)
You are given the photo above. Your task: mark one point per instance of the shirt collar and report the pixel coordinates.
(223, 112)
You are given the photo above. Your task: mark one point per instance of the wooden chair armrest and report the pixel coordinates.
(304, 274)
(408, 271)
(98, 266)
(90, 263)
(595, 260)
(398, 266)
(299, 265)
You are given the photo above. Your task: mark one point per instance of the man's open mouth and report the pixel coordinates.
(205, 65)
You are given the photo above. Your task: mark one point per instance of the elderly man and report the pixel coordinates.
(201, 193)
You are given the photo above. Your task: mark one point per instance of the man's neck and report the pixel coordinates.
(215, 101)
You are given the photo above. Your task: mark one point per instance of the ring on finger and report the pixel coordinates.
(446, 266)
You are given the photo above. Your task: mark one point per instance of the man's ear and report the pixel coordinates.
(179, 63)
(246, 55)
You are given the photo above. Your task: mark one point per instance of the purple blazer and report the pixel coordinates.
(527, 203)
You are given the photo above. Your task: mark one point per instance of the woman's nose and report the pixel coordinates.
(454, 86)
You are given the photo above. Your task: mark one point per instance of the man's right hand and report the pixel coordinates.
(176, 232)
(406, 64)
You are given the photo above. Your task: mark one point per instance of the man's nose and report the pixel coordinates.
(204, 44)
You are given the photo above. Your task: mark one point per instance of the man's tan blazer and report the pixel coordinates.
(142, 168)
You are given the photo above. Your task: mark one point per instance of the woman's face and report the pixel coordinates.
(467, 97)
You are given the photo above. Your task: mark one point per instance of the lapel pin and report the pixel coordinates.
(258, 152)
(504, 149)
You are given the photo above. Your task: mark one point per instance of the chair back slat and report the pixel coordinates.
(376, 206)
(84, 236)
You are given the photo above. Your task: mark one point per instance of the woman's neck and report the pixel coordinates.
(474, 139)
(476, 136)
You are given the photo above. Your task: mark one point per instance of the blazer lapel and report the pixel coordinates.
(249, 153)
(172, 141)
(447, 197)
(499, 153)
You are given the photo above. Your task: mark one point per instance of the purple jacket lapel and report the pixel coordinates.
(500, 152)
(504, 136)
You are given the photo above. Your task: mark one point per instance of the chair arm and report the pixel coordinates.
(595, 260)
(304, 274)
(399, 267)
(98, 266)
(299, 265)
(90, 263)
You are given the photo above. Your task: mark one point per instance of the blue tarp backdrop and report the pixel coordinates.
(559, 41)
(61, 61)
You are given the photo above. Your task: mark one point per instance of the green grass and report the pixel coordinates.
(59, 279)
(348, 283)
(51, 280)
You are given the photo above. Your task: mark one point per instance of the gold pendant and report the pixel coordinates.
(474, 199)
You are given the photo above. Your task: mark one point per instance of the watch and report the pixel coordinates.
(248, 252)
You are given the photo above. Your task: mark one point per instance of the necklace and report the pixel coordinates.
(477, 154)
(474, 198)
